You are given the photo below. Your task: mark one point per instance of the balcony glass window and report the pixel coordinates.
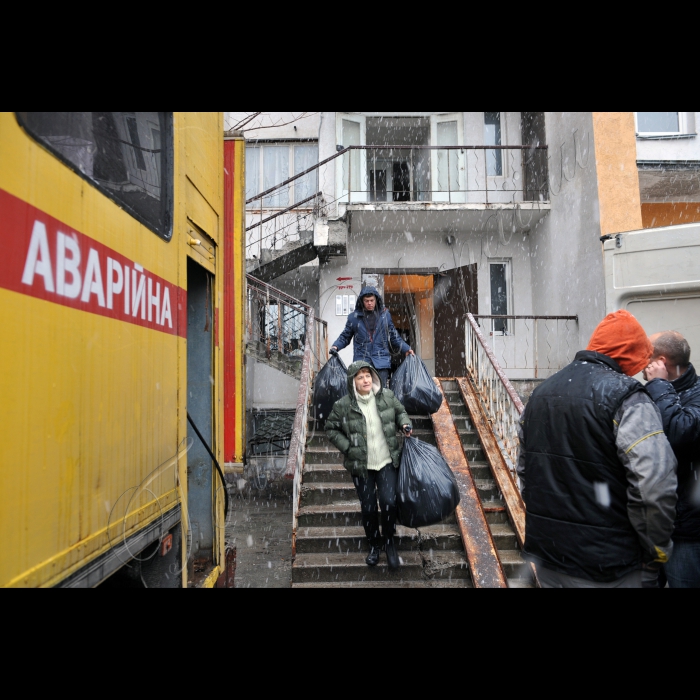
(268, 165)
(499, 296)
(492, 137)
(658, 123)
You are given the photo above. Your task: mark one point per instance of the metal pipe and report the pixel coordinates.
(521, 318)
(283, 211)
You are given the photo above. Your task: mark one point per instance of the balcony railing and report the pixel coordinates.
(452, 174)
(279, 330)
(374, 174)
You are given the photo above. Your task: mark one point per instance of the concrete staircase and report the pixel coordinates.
(330, 541)
(518, 572)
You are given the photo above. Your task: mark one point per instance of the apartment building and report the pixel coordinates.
(447, 213)
(668, 159)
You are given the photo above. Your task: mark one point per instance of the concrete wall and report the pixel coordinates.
(277, 125)
(424, 249)
(566, 255)
(269, 388)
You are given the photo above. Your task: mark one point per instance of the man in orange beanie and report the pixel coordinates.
(597, 472)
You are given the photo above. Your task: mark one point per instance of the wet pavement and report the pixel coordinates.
(260, 527)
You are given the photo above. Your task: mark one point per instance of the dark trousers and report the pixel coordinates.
(383, 377)
(380, 483)
(683, 568)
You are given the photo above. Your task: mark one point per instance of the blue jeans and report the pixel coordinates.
(683, 568)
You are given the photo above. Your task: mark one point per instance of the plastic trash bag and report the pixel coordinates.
(415, 388)
(427, 491)
(331, 384)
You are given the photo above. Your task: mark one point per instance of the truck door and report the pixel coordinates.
(655, 275)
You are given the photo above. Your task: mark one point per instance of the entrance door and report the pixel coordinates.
(455, 294)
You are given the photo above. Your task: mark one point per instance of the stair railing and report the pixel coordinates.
(278, 330)
(500, 400)
(297, 445)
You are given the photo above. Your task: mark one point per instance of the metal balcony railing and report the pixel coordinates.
(452, 174)
(279, 330)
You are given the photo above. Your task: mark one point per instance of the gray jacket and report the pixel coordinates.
(650, 466)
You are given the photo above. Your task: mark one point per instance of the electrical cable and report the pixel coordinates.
(216, 462)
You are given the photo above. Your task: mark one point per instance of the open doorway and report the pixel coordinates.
(409, 298)
(200, 406)
(398, 174)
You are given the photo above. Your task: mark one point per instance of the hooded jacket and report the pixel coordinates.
(679, 403)
(346, 426)
(376, 347)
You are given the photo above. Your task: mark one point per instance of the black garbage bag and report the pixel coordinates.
(331, 384)
(415, 388)
(427, 491)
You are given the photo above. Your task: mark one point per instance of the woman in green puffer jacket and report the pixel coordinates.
(363, 425)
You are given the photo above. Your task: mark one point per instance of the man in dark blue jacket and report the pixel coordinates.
(373, 333)
(675, 389)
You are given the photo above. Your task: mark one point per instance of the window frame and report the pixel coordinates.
(291, 144)
(167, 177)
(682, 127)
(510, 328)
(502, 131)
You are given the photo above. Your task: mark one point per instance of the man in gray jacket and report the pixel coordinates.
(597, 472)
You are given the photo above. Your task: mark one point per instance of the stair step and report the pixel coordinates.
(480, 470)
(352, 539)
(425, 583)
(323, 455)
(343, 514)
(352, 567)
(514, 565)
(327, 492)
(488, 490)
(503, 536)
(314, 473)
(473, 453)
(521, 583)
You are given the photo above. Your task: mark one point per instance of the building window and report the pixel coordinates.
(660, 123)
(124, 154)
(492, 137)
(500, 276)
(268, 165)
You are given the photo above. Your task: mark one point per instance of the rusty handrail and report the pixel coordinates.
(297, 446)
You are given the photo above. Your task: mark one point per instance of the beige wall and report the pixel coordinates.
(616, 165)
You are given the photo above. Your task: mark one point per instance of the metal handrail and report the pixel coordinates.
(297, 447)
(505, 382)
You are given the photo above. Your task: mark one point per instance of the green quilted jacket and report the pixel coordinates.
(347, 430)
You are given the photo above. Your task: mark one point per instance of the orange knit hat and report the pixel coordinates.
(620, 336)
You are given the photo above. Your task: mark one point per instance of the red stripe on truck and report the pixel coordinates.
(46, 259)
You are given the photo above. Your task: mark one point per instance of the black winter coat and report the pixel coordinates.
(568, 453)
(679, 403)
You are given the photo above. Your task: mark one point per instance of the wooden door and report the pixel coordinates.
(455, 294)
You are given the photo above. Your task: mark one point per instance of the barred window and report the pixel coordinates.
(126, 155)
